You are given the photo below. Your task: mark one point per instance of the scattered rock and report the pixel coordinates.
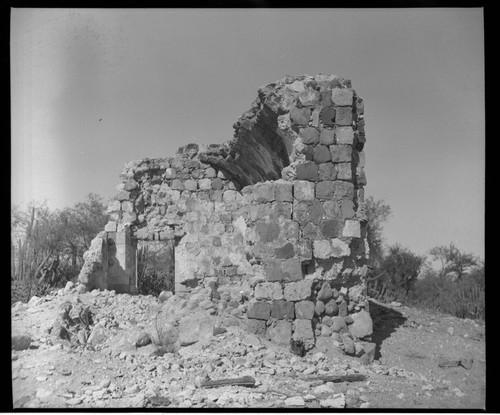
(21, 340)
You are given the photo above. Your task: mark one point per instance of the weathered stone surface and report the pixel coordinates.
(99, 335)
(20, 340)
(319, 308)
(193, 328)
(205, 184)
(309, 135)
(322, 249)
(256, 326)
(260, 310)
(327, 116)
(311, 231)
(284, 191)
(325, 190)
(352, 229)
(321, 154)
(296, 291)
(341, 153)
(280, 332)
(303, 247)
(282, 310)
(343, 190)
(303, 331)
(327, 171)
(267, 231)
(327, 136)
(309, 97)
(343, 309)
(338, 323)
(344, 135)
(307, 171)
(286, 251)
(93, 272)
(304, 310)
(291, 270)
(331, 308)
(268, 291)
(331, 228)
(347, 208)
(340, 248)
(343, 116)
(325, 293)
(342, 97)
(362, 325)
(273, 271)
(300, 115)
(264, 192)
(344, 171)
(303, 190)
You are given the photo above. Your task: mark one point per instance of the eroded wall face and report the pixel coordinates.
(289, 253)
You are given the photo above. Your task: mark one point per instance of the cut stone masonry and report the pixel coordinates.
(273, 217)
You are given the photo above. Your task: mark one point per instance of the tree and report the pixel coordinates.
(377, 213)
(402, 267)
(453, 262)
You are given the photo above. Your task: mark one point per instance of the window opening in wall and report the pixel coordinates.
(155, 267)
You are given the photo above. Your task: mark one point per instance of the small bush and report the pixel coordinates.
(152, 282)
(20, 290)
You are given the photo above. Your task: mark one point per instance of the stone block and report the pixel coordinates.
(340, 248)
(281, 309)
(343, 116)
(315, 117)
(361, 159)
(217, 184)
(344, 171)
(268, 231)
(111, 226)
(304, 310)
(321, 154)
(210, 173)
(338, 323)
(289, 229)
(326, 98)
(322, 249)
(319, 308)
(263, 192)
(362, 325)
(303, 247)
(123, 195)
(309, 135)
(303, 332)
(205, 184)
(257, 327)
(127, 206)
(291, 270)
(325, 293)
(343, 312)
(230, 196)
(309, 97)
(344, 135)
(325, 190)
(130, 185)
(303, 190)
(297, 291)
(327, 171)
(177, 185)
(347, 208)
(341, 153)
(352, 229)
(316, 213)
(273, 271)
(280, 333)
(311, 231)
(327, 115)
(343, 190)
(300, 116)
(268, 291)
(342, 96)
(331, 308)
(285, 252)
(260, 310)
(170, 173)
(307, 171)
(327, 137)
(361, 177)
(283, 191)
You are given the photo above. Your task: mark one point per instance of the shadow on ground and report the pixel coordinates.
(385, 321)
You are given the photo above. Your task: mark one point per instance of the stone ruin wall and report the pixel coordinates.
(274, 218)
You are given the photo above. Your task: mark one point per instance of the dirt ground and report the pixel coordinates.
(423, 360)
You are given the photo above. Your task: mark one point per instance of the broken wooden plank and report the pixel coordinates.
(247, 381)
(356, 377)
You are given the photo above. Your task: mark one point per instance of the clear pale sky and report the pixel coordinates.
(93, 89)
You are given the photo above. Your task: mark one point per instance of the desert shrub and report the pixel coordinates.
(165, 335)
(24, 290)
(462, 298)
(152, 282)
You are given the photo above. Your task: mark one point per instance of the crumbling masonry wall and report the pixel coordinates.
(273, 217)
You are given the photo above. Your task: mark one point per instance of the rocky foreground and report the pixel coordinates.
(105, 350)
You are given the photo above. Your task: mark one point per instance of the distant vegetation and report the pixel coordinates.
(47, 246)
(397, 274)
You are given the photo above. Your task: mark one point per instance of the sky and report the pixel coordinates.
(92, 89)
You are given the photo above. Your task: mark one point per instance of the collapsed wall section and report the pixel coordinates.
(274, 217)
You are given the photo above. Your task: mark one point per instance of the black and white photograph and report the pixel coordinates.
(258, 208)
